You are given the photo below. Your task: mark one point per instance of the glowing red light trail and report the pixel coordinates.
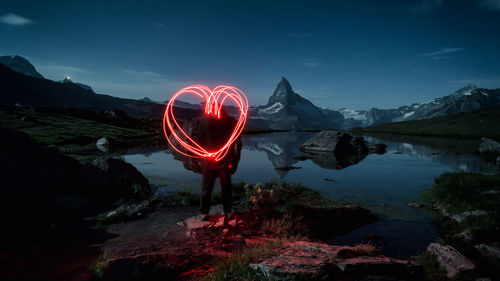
(214, 100)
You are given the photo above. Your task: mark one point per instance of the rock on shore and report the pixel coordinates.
(488, 145)
(450, 259)
(338, 149)
(320, 261)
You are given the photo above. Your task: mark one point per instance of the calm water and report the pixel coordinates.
(385, 184)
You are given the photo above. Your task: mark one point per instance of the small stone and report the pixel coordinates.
(491, 192)
(487, 250)
(102, 144)
(112, 213)
(466, 236)
(461, 217)
(488, 145)
(28, 118)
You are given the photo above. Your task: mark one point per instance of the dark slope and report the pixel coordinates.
(18, 88)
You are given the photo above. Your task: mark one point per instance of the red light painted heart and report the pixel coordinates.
(214, 101)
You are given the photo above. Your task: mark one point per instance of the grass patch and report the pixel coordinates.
(365, 250)
(460, 192)
(457, 193)
(236, 267)
(99, 266)
(432, 270)
(294, 210)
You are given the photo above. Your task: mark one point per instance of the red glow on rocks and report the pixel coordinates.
(214, 101)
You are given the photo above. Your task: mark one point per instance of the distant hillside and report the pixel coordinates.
(19, 88)
(471, 124)
(20, 65)
(468, 98)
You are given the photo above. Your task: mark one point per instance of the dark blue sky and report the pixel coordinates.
(355, 54)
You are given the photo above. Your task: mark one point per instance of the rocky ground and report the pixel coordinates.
(277, 234)
(191, 249)
(467, 212)
(96, 218)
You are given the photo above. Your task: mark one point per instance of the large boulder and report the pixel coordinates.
(111, 178)
(338, 142)
(450, 259)
(338, 149)
(488, 145)
(33, 180)
(27, 166)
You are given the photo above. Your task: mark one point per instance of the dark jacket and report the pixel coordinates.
(214, 134)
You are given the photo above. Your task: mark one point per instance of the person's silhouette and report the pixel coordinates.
(214, 135)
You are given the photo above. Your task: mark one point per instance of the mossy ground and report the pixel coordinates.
(457, 193)
(236, 267)
(74, 132)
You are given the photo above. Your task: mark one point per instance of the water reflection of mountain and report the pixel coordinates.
(459, 154)
(281, 148)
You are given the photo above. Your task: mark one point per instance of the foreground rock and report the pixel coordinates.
(450, 259)
(113, 178)
(192, 248)
(319, 261)
(45, 198)
(338, 149)
(488, 145)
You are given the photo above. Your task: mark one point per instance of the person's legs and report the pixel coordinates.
(206, 191)
(226, 190)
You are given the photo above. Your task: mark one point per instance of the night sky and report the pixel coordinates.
(355, 54)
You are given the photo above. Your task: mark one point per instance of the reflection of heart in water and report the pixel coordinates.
(214, 100)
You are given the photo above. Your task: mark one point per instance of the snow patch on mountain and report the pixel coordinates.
(408, 114)
(353, 114)
(275, 108)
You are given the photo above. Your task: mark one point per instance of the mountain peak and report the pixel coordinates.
(467, 90)
(146, 99)
(67, 80)
(283, 93)
(283, 80)
(21, 65)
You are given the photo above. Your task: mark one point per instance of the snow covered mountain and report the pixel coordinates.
(67, 80)
(21, 65)
(286, 109)
(467, 98)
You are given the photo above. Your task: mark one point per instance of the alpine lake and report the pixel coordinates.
(383, 183)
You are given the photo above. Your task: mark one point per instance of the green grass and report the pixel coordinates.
(74, 132)
(432, 270)
(461, 192)
(472, 124)
(236, 267)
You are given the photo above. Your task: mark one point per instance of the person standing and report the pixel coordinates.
(214, 135)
